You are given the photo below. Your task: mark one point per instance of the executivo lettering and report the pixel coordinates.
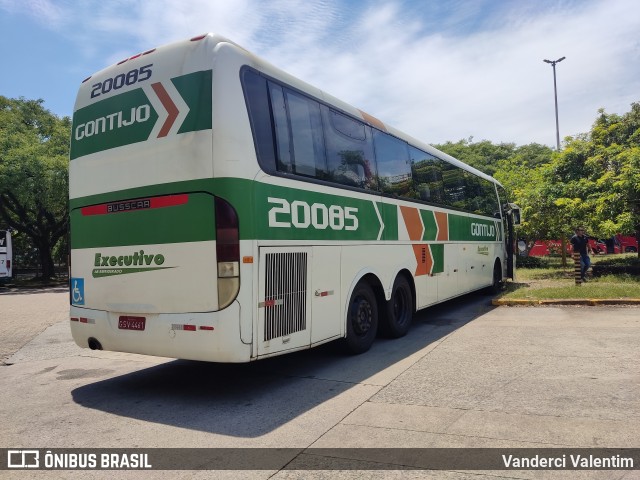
(134, 263)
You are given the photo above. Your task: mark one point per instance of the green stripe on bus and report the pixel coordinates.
(130, 117)
(265, 212)
(430, 225)
(389, 213)
(195, 90)
(120, 120)
(283, 213)
(464, 228)
(191, 222)
(437, 252)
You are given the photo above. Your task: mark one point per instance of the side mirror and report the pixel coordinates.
(513, 210)
(516, 215)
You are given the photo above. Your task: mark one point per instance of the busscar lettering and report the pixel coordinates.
(128, 206)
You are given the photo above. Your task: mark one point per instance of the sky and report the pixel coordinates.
(439, 70)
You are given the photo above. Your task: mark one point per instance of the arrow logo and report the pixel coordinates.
(169, 106)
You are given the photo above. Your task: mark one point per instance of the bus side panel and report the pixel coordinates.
(326, 294)
(164, 335)
(178, 278)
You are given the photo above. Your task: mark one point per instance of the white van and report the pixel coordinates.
(6, 255)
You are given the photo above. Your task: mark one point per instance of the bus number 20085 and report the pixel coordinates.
(300, 214)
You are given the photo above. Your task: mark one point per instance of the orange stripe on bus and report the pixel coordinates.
(442, 220)
(413, 222)
(169, 106)
(424, 259)
(370, 119)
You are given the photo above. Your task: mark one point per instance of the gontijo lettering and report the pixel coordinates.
(113, 121)
(482, 230)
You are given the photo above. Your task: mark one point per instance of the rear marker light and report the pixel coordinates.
(185, 327)
(74, 319)
(149, 51)
(323, 294)
(199, 37)
(206, 327)
(86, 79)
(271, 303)
(122, 61)
(135, 56)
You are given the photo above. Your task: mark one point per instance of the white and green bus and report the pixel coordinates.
(223, 210)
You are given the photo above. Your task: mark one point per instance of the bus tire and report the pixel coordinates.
(399, 310)
(497, 284)
(362, 319)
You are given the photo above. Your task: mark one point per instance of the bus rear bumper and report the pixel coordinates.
(209, 336)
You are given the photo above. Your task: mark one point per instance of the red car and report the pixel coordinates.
(542, 248)
(628, 243)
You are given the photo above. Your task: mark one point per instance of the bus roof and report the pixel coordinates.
(214, 39)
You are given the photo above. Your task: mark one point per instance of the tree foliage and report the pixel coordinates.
(593, 181)
(34, 180)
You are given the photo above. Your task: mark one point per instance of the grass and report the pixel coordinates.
(549, 280)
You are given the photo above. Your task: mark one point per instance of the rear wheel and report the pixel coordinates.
(399, 311)
(362, 319)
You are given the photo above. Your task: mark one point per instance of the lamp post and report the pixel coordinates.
(555, 95)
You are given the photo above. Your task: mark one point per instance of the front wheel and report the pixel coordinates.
(362, 319)
(399, 314)
(497, 284)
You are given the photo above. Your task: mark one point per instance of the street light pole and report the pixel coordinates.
(555, 95)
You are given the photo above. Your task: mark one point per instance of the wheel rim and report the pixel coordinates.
(361, 318)
(401, 306)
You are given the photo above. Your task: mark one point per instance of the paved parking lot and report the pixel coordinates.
(467, 375)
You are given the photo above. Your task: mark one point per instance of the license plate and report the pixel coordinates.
(131, 323)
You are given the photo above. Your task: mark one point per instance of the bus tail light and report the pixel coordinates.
(227, 252)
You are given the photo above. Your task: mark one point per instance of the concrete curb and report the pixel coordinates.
(594, 302)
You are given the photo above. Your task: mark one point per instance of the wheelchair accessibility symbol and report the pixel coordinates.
(77, 291)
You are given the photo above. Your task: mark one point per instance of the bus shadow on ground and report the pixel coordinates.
(250, 400)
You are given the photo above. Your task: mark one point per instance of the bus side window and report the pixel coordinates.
(306, 135)
(281, 127)
(349, 150)
(255, 89)
(394, 169)
(480, 195)
(454, 186)
(426, 171)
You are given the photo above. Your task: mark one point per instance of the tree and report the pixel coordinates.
(614, 166)
(594, 181)
(34, 179)
(483, 155)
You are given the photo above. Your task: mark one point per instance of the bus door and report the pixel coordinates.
(512, 217)
(284, 299)
(5, 254)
